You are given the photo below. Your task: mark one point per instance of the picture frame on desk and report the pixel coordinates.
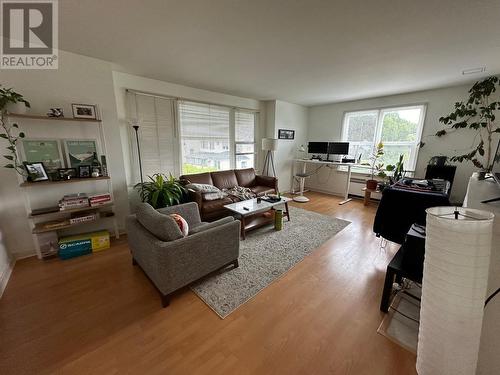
(286, 134)
(36, 172)
(84, 171)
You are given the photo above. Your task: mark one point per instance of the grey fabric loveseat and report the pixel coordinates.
(172, 261)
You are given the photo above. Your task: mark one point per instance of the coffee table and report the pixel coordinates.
(255, 215)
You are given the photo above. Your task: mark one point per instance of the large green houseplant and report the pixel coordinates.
(161, 191)
(478, 113)
(11, 132)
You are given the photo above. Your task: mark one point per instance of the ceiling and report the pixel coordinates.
(303, 51)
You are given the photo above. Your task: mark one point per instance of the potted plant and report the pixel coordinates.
(376, 167)
(11, 133)
(479, 114)
(396, 169)
(161, 191)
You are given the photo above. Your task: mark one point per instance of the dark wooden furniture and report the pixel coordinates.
(408, 263)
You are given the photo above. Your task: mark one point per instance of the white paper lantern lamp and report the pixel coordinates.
(454, 286)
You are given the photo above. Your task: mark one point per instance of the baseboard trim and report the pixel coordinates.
(5, 276)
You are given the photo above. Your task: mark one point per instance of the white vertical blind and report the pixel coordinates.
(205, 137)
(244, 139)
(157, 135)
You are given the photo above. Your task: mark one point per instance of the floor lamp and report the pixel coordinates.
(136, 128)
(269, 145)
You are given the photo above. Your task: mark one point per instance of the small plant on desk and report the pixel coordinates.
(376, 167)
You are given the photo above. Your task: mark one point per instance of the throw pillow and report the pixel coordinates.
(214, 196)
(182, 223)
(203, 188)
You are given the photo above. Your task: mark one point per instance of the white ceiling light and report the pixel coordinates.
(481, 69)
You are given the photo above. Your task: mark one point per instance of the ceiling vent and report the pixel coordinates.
(481, 69)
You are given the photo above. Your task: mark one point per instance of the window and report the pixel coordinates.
(399, 129)
(205, 137)
(244, 136)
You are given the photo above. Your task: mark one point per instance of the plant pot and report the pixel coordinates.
(371, 184)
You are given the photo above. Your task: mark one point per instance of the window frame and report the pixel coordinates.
(380, 112)
(236, 143)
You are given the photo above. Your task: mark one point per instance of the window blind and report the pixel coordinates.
(157, 135)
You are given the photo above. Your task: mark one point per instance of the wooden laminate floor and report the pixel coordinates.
(100, 315)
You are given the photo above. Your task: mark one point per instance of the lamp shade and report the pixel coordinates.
(269, 144)
(457, 257)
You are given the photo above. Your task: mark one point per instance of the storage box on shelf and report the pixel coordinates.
(72, 211)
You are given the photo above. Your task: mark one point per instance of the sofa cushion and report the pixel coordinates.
(245, 177)
(162, 226)
(214, 196)
(262, 190)
(203, 188)
(224, 179)
(218, 204)
(199, 178)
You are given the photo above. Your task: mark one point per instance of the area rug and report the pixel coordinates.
(266, 255)
(399, 328)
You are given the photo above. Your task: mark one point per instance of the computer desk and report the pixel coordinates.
(322, 163)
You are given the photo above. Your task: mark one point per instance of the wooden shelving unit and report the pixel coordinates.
(41, 117)
(37, 220)
(71, 210)
(73, 180)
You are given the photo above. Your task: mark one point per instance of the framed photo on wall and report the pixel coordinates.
(47, 151)
(84, 111)
(286, 134)
(80, 151)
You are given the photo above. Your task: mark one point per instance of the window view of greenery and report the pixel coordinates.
(397, 128)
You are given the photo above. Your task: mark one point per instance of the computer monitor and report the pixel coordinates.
(317, 148)
(338, 148)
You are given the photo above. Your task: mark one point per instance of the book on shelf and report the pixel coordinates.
(55, 224)
(99, 199)
(70, 201)
(83, 218)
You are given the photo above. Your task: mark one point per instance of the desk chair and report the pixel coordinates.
(301, 176)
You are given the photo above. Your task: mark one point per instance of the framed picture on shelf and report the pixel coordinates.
(286, 134)
(84, 171)
(47, 151)
(80, 151)
(84, 111)
(67, 173)
(36, 172)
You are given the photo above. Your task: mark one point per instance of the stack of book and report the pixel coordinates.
(72, 201)
(99, 199)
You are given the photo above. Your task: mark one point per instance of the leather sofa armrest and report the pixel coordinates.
(195, 196)
(271, 182)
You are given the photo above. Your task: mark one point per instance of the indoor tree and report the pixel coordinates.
(11, 133)
(479, 114)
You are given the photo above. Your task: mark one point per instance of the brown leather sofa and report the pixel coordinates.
(214, 210)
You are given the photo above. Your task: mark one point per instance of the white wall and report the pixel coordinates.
(79, 79)
(325, 123)
(283, 115)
